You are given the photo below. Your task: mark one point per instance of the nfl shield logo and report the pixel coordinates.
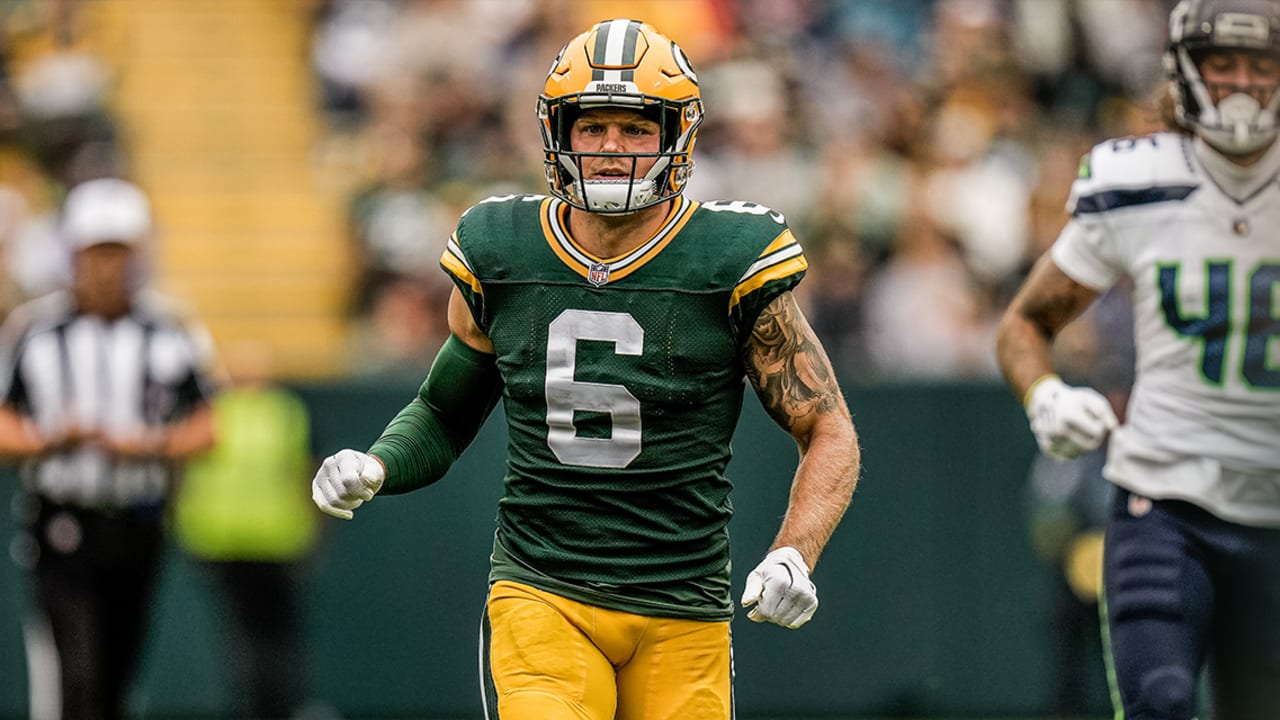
(598, 275)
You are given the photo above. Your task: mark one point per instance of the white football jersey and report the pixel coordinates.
(1204, 418)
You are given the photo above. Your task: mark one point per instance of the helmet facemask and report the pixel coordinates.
(1238, 124)
(593, 72)
(665, 179)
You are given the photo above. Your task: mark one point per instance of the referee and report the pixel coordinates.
(103, 389)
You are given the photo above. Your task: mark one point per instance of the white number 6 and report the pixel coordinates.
(565, 395)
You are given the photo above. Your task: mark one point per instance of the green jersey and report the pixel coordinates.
(623, 383)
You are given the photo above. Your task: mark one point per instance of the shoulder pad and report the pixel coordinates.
(497, 214)
(1132, 171)
(488, 234)
(735, 230)
(753, 242)
(746, 226)
(493, 202)
(744, 211)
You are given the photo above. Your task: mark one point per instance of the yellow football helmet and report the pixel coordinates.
(627, 64)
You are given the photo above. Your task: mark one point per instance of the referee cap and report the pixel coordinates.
(106, 210)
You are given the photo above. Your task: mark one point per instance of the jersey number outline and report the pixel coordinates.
(565, 395)
(1213, 328)
(745, 208)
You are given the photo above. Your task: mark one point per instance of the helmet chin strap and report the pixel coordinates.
(616, 197)
(622, 196)
(1238, 112)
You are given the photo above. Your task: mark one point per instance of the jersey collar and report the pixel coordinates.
(600, 271)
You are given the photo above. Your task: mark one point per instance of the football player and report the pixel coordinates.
(1192, 551)
(616, 320)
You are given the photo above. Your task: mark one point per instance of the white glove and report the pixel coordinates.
(1068, 421)
(345, 481)
(780, 590)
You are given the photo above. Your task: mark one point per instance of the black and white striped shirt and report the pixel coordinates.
(66, 370)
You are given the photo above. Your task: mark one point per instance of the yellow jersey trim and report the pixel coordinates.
(555, 229)
(782, 258)
(455, 262)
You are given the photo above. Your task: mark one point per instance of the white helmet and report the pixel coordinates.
(1238, 124)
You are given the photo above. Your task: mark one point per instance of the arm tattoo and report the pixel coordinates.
(787, 365)
(1056, 304)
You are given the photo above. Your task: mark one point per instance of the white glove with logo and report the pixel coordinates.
(345, 481)
(780, 590)
(1068, 421)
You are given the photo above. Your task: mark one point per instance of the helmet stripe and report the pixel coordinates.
(616, 42)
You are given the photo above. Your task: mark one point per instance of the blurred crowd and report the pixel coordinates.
(922, 149)
(55, 131)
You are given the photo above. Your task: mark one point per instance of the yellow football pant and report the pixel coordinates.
(556, 659)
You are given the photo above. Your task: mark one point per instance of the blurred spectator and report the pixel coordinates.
(925, 317)
(37, 260)
(61, 96)
(399, 226)
(1123, 41)
(10, 117)
(55, 132)
(348, 52)
(61, 87)
(1056, 166)
(244, 513)
(834, 299)
(898, 29)
(976, 189)
(104, 390)
(522, 54)
(401, 333)
(444, 54)
(754, 151)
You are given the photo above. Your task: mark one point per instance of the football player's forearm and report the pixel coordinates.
(823, 487)
(1047, 301)
(1023, 351)
(797, 386)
